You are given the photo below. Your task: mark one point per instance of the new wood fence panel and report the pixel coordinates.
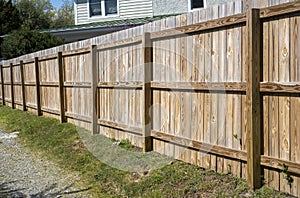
(78, 89)
(17, 86)
(7, 82)
(49, 81)
(30, 89)
(280, 56)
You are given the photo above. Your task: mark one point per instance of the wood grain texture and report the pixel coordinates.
(207, 25)
(23, 86)
(37, 86)
(94, 74)
(254, 128)
(282, 9)
(12, 92)
(147, 96)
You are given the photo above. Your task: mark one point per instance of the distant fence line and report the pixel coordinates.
(218, 88)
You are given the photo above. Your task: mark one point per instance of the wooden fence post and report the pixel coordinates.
(94, 69)
(254, 100)
(37, 84)
(23, 86)
(61, 87)
(147, 96)
(2, 85)
(12, 86)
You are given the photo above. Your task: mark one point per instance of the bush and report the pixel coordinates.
(25, 41)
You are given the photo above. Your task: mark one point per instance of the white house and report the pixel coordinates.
(97, 17)
(89, 11)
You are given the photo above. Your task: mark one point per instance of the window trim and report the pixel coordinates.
(190, 6)
(102, 11)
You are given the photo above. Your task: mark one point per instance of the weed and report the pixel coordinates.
(287, 176)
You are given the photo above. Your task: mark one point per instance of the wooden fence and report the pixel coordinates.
(218, 88)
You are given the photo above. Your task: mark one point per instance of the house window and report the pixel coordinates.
(103, 7)
(195, 4)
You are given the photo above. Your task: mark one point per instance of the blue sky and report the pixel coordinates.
(56, 3)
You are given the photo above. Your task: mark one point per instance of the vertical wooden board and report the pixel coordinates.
(100, 90)
(237, 108)
(284, 102)
(194, 124)
(229, 96)
(200, 128)
(157, 60)
(273, 179)
(183, 78)
(172, 78)
(215, 53)
(201, 95)
(267, 62)
(193, 55)
(108, 73)
(160, 77)
(155, 93)
(163, 94)
(121, 79)
(284, 139)
(177, 126)
(129, 78)
(186, 65)
(222, 71)
(207, 100)
(186, 122)
(168, 73)
(272, 37)
(295, 141)
(116, 91)
(294, 119)
(237, 98)
(134, 68)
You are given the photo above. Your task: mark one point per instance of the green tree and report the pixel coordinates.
(65, 15)
(9, 17)
(25, 41)
(36, 14)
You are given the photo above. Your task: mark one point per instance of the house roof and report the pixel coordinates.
(111, 24)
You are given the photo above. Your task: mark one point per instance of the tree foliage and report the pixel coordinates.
(25, 41)
(36, 14)
(9, 17)
(22, 19)
(65, 15)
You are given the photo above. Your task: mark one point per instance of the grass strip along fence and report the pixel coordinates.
(61, 143)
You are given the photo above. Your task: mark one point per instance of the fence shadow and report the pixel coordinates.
(50, 191)
(6, 191)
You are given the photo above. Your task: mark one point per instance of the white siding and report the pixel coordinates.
(127, 9)
(82, 13)
(135, 8)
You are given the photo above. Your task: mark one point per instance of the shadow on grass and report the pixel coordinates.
(51, 191)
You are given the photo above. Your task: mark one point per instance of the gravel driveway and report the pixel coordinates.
(25, 174)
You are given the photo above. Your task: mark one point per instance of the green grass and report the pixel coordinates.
(62, 143)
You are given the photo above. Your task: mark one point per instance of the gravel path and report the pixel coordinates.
(24, 174)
